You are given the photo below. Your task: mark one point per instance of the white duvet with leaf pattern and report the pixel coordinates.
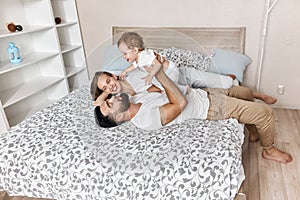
(61, 153)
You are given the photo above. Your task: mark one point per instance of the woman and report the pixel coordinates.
(106, 83)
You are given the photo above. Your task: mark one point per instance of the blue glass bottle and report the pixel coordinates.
(13, 53)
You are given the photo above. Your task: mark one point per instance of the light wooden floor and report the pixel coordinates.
(269, 180)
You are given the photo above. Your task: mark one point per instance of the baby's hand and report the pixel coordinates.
(122, 75)
(99, 101)
(148, 79)
(148, 68)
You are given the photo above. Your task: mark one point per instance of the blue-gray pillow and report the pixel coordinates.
(229, 62)
(114, 60)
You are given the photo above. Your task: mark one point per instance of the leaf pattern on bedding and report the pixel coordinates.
(187, 58)
(61, 153)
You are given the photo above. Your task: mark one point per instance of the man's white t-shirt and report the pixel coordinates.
(148, 116)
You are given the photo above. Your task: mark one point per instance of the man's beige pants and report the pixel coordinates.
(238, 103)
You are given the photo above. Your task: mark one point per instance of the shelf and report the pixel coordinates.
(65, 24)
(70, 71)
(26, 29)
(27, 89)
(53, 59)
(65, 9)
(27, 60)
(67, 48)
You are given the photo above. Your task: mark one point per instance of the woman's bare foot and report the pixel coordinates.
(277, 155)
(265, 98)
(253, 135)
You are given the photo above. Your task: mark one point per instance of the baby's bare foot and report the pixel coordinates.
(277, 155)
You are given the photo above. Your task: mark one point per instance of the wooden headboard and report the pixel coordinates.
(198, 39)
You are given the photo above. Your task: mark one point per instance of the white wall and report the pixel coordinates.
(282, 58)
(281, 61)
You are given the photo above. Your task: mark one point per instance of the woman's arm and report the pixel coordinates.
(99, 101)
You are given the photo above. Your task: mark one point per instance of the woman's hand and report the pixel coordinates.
(99, 101)
(101, 98)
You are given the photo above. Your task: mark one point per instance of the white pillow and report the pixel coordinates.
(229, 62)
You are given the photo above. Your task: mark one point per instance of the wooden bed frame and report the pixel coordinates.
(199, 39)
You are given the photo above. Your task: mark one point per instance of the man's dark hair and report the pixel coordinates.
(103, 121)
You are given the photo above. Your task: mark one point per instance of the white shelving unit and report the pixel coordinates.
(53, 57)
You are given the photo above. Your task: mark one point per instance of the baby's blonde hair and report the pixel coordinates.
(132, 40)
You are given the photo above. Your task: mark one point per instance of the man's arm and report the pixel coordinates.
(177, 101)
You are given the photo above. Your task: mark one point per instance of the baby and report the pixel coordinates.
(132, 47)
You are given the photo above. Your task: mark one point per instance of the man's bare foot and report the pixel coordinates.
(277, 155)
(253, 136)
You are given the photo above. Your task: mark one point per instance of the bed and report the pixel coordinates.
(60, 152)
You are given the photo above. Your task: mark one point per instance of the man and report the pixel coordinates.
(154, 110)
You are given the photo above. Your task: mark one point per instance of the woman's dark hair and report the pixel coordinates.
(103, 121)
(95, 91)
